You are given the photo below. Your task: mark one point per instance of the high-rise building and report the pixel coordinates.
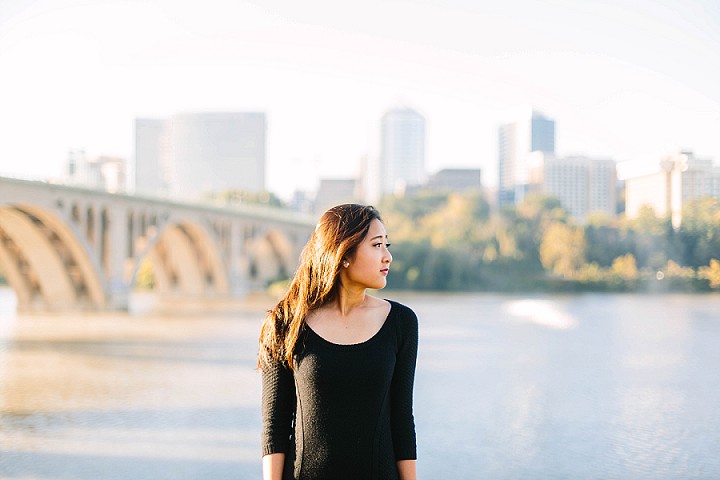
(666, 185)
(190, 155)
(516, 140)
(583, 185)
(402, 155)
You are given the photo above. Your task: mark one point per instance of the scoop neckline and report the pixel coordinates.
(359, 344)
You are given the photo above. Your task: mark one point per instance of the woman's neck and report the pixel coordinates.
(349, 299)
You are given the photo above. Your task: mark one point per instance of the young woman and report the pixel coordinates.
(338, 365)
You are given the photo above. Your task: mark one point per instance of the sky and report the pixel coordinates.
(627, 80)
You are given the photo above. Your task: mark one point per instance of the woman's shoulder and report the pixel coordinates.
(400, 307)
(403, 313)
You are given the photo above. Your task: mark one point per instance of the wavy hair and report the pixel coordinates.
(316, 281)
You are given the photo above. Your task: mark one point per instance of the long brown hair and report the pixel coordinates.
(340, 231)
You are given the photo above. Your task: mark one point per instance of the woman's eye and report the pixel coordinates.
(387, 245)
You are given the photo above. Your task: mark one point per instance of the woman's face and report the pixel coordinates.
(369, 265)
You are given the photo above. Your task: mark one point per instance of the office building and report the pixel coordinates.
(583, 185)
(188, 156)
(402, 155)
(533, 132)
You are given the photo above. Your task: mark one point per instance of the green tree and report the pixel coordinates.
(604, 240)
(413, 206)
(649, 238)
(536, 213)
(699, 233)
(456, 222)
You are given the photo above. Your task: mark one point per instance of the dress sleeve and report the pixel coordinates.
(278, 407)
(403, 422)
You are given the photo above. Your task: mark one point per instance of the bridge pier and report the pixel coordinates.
(118, 297)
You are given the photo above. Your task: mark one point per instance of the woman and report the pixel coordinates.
(338, 364)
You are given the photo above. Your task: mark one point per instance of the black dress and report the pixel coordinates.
(351, 405)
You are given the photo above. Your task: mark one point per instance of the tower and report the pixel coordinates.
(516, 140)
(402, 155)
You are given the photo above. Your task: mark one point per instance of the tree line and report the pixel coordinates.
(457, 242)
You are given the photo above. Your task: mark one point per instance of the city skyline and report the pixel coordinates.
(623, 80)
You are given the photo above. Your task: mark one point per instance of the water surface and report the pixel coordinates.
(516, 387)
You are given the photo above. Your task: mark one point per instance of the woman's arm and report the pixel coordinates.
(278, 407)
(272, 466)
(406, 469)
(401, 389)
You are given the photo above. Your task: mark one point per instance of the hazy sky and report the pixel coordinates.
(623, 79)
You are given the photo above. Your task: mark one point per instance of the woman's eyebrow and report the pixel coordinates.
(378, 236)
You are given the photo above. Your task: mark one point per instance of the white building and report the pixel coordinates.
(402, 155)
(666, 185)
(583, 185)
(99, 173)
(190, 155)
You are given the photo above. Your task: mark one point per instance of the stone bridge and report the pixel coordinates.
(64, 248)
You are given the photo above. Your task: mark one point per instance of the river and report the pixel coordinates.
(593, 386)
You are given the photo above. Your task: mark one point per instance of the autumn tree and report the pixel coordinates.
(624, 270)
(711, 273)
(562, 250)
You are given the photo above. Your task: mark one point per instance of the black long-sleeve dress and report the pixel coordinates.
(345, 411)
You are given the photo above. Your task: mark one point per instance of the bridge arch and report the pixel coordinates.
(185, 260)
(46, 261)
(270, 257)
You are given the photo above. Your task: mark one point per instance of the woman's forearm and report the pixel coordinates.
(407, 469)
(272, 466)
